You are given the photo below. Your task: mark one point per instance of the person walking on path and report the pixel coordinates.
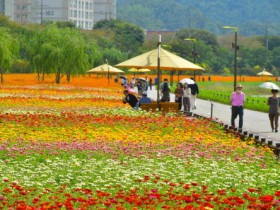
(186, 98)
(194, 92)
(237, 102)
(273, 112)
(165, 91)
(178, 95)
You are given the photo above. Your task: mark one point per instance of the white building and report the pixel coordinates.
(84, 13)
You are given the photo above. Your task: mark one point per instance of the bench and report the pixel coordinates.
(165, 107)
(149, 107)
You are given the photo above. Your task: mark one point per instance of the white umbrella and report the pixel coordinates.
(187, 80)
(269, 85)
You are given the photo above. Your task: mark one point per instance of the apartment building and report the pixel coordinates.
(84, 13)
(2, 6)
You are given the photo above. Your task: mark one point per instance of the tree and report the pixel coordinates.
(59, 51)
(202, 35)
(127, 37)
(8, 50)
(276, 57)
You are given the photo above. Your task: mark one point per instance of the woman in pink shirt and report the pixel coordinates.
(237, 102)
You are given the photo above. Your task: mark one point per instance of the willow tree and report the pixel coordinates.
(59, 51)
(32, 42)
(75, 57)
(8, 51)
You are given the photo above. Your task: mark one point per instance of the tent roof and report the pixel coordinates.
(105, 68)
(168, 61)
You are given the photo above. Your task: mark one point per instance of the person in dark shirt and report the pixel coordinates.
(178, 95)
(130, 99)
(273, 113)
(165, 91)
(139, 86)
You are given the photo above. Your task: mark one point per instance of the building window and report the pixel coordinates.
(49, 13)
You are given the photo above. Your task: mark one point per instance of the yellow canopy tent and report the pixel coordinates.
(138, 70)
(105, 69)
(264, 73)
(168, 61)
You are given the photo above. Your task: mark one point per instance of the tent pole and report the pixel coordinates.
(158, 71)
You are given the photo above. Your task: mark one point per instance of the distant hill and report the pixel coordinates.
(252, 17)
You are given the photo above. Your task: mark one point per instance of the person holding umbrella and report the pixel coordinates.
(273, 113)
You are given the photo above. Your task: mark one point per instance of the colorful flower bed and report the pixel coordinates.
(81, 148)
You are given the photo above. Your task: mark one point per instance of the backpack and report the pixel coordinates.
(165, 88)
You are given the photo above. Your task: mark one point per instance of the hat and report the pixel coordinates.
(239, 86)
(144, 93)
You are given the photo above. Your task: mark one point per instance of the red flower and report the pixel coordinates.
(277, 193)
(194, 184)
(266, 198)
(187, 186)
(188, 199)
(252, 190)
(222, 192)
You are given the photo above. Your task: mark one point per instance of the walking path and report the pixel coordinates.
(254, 122)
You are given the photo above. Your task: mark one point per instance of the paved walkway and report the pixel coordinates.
(254, 122)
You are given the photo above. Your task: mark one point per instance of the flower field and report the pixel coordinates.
(73, 147)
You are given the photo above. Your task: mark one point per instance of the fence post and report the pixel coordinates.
(211, 109)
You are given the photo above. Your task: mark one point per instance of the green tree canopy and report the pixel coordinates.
(8, 50)
(127, 37)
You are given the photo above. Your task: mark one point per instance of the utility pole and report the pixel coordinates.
(235, 47)
(41, 12)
